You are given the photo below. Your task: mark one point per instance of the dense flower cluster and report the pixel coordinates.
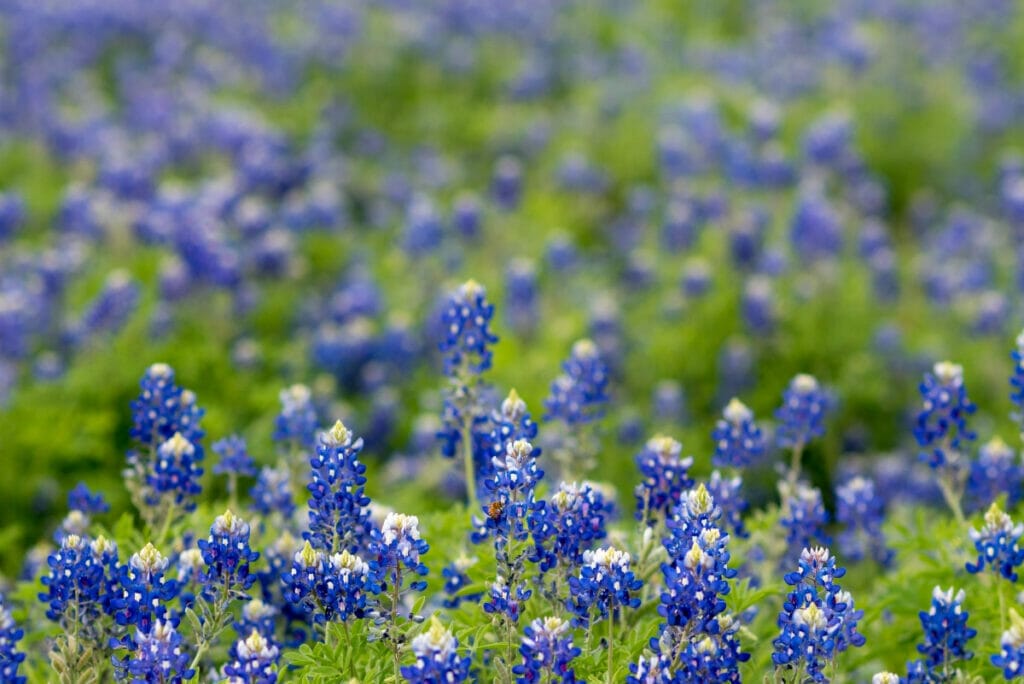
(437, 658)
(1017, 379)
(234, 457)
(801, 417)
(818, 620)
(338, 514)
(995, 472)
(941, 429)
(1010, 658)
(997, 544)
(467, 333)
(143, 590)
(297, 422)
(547, 651)
(568, 524)
(860, 510)
(946, 636)
(804, 517)
(164, 409)
(665, 477)
(739, 442)
(579, 394)
(155, 657)
(253, 660)
(330, 587)
(10, 657)
(604, 586)
(226, 554)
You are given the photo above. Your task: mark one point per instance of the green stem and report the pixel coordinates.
(467, 456)
(794, 465)
(1002, 603)
(167, 510)
(952, 499)
(233, 491)
(611, 641)
(200, 652)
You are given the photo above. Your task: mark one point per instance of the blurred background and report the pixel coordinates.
(721, 194)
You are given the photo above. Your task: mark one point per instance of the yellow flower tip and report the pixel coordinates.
(339, 434)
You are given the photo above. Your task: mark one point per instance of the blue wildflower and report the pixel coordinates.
(505, 599)
(81, 499)
(164, 409)
(579, 394)
(1017, 379)
(1010, 658)
(654, 669)
(726, 493)
(156, 656)
(818, 619)
(174, 475)
(511, 492)
(234, 457)
(227, 555)
(272, 493)
(143, 590)
(567, 525)
(456, 580)
(297, 422)
(338, 513)
(547, 651)
(605, 585)
(941, 427)
(466, 319)
(860, 510)
(804, 517)
(713, 656)
(994, 473)
(398, 549)
(10, 657)
(801, 417)
(665, 478)
(946, 635)
(330, 587)
(997, 544)
(437, 658)
(75, 582)
(739, 443)
(253, 660)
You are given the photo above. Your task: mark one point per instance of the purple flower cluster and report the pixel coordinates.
(579, 394)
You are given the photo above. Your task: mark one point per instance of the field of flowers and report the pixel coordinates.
(511, 341)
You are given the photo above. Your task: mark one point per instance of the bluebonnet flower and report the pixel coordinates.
(253, 660)
(713, 656)
(547, 651)
(860, 510)
(143, 590)
(227, 554)
(886, 678)
(579, 394)
(109, 310)
(726, 493)
(1010, 658)
(567, 525)
(272, 493)
(297, 422)
(81, 499)
(801, 417)
(257, 616)
(75, 522)
(466, 319)
(507, 599)
(10, 657)
(605, 585)
(759, 305)
(818, 619)
(739, 443)
(946, 636)
(234, 457)
(338, 513)
(653, 669)
(665, 478)
(330, 587)
(437, 658)
(994, 473)
(455, 580)
(398, 548)
(164, 409)
(154, 657)
(174, 475)
(697, 573)
(941, 427)
(803, 516)
(511, 490)
(507, 184)
(74, 584)
(997, 544)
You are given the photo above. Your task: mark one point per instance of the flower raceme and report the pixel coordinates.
(605, 585)
(997, 544)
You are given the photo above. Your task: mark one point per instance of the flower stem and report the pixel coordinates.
(467, 454)
(611, 641)
(951, 497)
